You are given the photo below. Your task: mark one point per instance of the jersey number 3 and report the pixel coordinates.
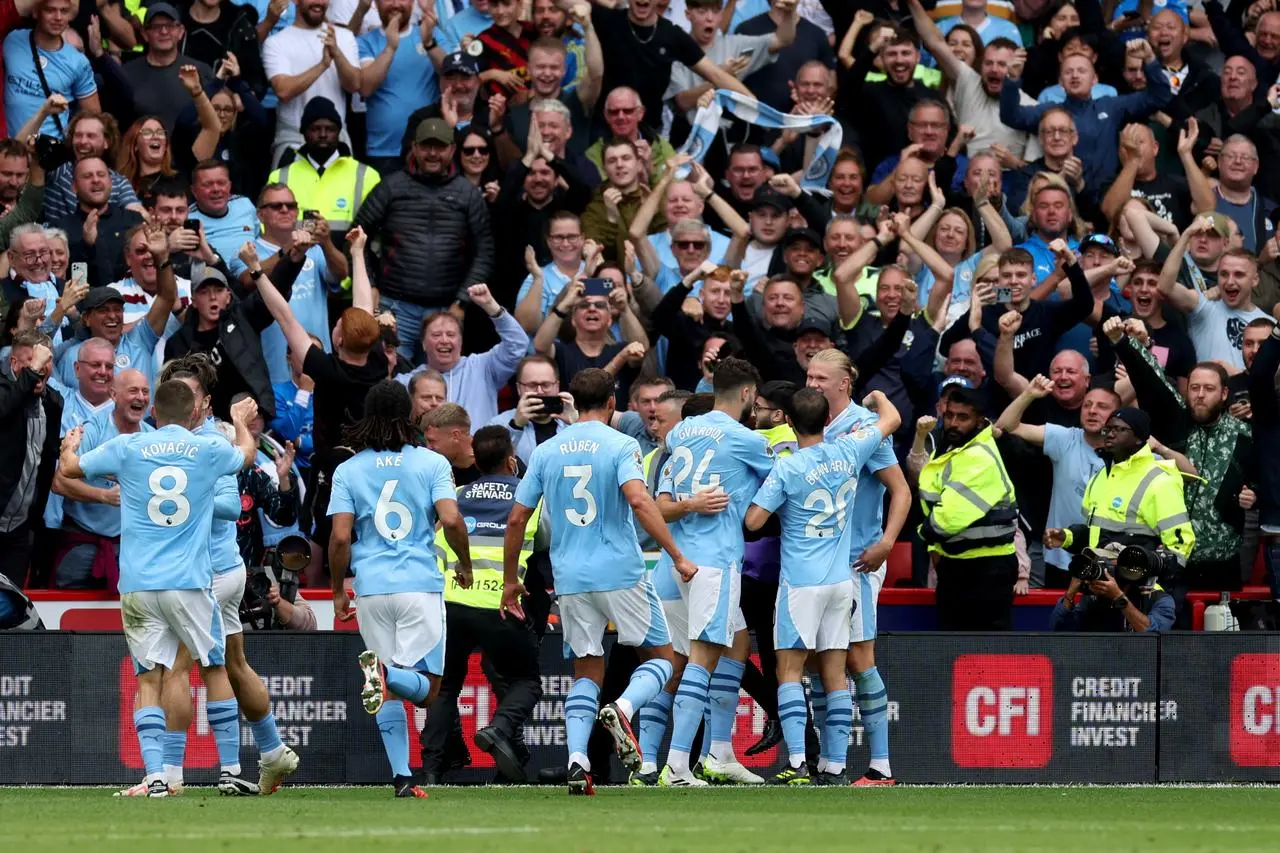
(581, 473)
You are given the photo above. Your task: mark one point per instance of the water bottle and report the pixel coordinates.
(1218, 617)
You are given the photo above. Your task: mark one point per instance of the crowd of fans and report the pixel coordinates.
(316, 195)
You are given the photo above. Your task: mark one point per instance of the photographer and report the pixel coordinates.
(271, 597)
(1125, 597)
(1136, 499)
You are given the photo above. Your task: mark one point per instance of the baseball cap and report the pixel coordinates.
(460, 63)
(434, 130)
(1102, 241)
(795, 235)
(155, 10)
(954, 382)
(99, 296)
(767, 196)
(1220, 224)
(209, 276)
(814, 324)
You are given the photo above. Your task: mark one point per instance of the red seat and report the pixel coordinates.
(899, 563)
(1259, 576)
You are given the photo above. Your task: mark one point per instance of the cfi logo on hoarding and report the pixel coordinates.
(1255, 710)
(1002, 711)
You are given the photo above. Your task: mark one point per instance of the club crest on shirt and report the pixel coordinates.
(122, 361)
(863, 433)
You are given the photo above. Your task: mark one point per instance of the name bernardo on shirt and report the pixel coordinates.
(833, 466)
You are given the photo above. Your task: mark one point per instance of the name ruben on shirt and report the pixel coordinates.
(170, 448)
(579, 446)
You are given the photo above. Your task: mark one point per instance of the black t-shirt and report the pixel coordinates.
(1169, 196)
(1174, 350)
(571, 360)
(340, 391)
(230, 382)
(649, 53)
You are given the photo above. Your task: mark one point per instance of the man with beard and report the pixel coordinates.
(1221, 449)
(157, 90)
(547, 61)
(880, 111)
(14, 168)
(91, 508)
(461, 102)
(970, 518)
(1216, 326)
(323, 175)
(458, 249)
(1263, 52)
(1134, 499)
(652, 45)
(96, 229)
(687, 331)
(1073, 450)
(310, 59)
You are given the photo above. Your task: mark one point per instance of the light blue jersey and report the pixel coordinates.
(579, 475)
(867, 518)
(136, 349)
(409, 85)
(228, 232)
(76, 410)
(393, 496)
(167, 479)
(102, 519)
(708, 451)
(66, 70)
(812, 490)
(224, 551)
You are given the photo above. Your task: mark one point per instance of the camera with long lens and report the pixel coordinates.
(1138, 566)
(289, 557)
(1090, 565)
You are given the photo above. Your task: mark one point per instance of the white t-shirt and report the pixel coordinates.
(980, 111)
(1217, 331)
(292, 51)
(756, 262)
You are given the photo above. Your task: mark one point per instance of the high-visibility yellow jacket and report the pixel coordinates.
(337, 194)
(969, 506)
(485, 505)
(1135, 502)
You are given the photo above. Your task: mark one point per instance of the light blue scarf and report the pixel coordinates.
(707, 122)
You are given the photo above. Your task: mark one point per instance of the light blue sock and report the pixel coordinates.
(873, 704)
(835, 734)
(723, 699)
(690, 704)
(646, 683)
(653, 725)
(175, 748)
(408, 683)
(265, 734)
(818, 696)
(792, 714)
(149, 722)
(393, 725)
(580, 708)
(224, 719)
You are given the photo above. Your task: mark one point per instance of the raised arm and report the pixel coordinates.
(294, 334)
(1011, 419)
(361, 286)
(1006, 374)
(1203, 198)
(638, 231)
(1185, 299)
(1121, 189)
(166, 284)
(934, 41)
(718, 77)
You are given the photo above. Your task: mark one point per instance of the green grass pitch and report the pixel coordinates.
(621, 820)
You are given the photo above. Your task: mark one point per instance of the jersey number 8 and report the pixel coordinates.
(160, 495)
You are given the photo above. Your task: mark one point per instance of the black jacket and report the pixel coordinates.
(240, 333)
(435, 235)
(15, 394)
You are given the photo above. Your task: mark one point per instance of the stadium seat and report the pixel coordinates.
(899, 561)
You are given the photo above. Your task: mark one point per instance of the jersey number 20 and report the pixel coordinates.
(826, 506)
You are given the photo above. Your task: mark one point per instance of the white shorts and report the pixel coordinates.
(635, 612)
(406, 629)
(815, 618)
(156, 622)
(866, 598)
(713, 598)
(676, 613)
(228, 589)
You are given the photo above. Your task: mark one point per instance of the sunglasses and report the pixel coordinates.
(472, 150)
(279, 205)
(621, 111)
(690, 245)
